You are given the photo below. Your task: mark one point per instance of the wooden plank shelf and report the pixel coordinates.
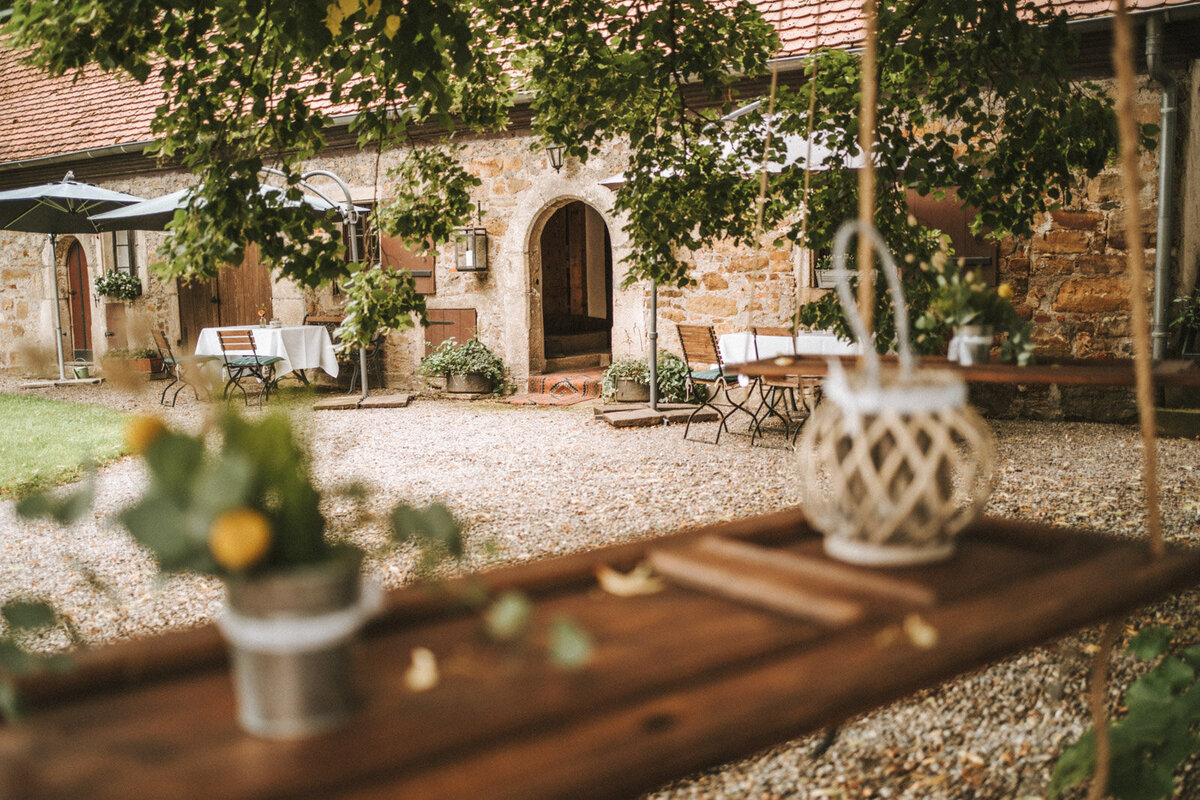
(681, 680)
(1065, 372)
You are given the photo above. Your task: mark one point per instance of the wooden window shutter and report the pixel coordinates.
(445, 323)
(394, 255)
(948, 216)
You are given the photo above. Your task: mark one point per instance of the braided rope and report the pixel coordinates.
(866, 176)
(1122, 54)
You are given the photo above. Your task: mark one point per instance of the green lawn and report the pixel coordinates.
(46, 442)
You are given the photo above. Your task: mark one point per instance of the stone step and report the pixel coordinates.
(567, 344)
(578, 362)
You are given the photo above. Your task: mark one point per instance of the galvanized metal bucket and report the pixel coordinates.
(291, 639)
(468, 383)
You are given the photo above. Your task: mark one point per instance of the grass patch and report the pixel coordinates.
(48, 442)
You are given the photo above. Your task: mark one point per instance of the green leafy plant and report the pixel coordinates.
(25, 620)
(673, 373)
(119, 285)
(1159, 729)
(961, 297)
(1187, 319)
(630, 369)
(378, 300)
(470, 356)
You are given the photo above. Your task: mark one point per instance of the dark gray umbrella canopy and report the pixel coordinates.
(54, 209)
(154, 214)
(60, 207)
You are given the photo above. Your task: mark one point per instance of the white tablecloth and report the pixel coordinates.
(300, 346)
(738, 348)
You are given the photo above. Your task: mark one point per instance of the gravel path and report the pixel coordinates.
(537, 482)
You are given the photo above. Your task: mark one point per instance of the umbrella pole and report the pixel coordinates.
(62, 376)
(653, 345)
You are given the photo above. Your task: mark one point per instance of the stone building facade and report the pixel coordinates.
(1070, 277)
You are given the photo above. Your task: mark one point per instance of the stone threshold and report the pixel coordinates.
(346, 403)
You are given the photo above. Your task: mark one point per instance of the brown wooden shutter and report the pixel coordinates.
(445, 323)
(394, 255)
(948, 216)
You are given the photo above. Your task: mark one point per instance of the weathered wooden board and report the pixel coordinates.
(1065, 372)
(682, 679)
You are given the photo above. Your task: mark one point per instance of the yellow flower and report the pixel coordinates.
(1005, 291)
(391, 25)
(239, 539)
(142, 432)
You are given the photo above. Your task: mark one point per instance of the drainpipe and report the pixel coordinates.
(1166, 175)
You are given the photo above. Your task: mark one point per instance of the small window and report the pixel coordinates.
(123, 252)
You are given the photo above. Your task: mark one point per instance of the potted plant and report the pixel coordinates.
(1187, 319)
(119, 285)
(134, 359)
(237, 501)
(672, 381)
(626, 380)
(469, 367)
(973, 312)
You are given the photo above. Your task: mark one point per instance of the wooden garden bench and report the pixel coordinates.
(758, 638)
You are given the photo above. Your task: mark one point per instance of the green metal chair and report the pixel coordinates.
(242, 362)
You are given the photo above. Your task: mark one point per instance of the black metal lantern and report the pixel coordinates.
(556, 151)
(470, 249)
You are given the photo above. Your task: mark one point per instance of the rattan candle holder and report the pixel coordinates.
(894, 462)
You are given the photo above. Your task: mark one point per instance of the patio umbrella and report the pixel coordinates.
(154, 214)
(55, 209)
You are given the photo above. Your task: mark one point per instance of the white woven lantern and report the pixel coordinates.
(894, 461)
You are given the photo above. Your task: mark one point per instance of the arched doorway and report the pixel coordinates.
(577, 307)
(79, 289)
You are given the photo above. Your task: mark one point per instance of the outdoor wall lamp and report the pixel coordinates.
(470, 249)
(556, 151)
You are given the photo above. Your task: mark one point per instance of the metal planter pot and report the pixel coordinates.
(468, 383)
(972, 344)
(628, 390)
(291, 637)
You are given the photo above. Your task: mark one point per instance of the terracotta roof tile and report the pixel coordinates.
(42, 116)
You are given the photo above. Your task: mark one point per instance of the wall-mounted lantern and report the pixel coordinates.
(470, 249)
(555, 152)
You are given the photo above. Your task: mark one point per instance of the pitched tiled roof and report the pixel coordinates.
(42, 117)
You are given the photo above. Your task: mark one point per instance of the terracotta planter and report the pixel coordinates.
(628, 390)
(146, 365)
(468, 383)
(291, 637)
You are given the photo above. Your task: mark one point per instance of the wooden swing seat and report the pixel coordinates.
(687, 678)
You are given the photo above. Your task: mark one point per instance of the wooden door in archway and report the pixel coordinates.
(576, 284)
(79, 291)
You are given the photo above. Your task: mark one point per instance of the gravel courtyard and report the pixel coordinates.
(537, 482)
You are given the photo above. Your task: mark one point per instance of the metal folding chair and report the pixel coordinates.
(242, 362)
(703, 357)
(186, 371)
(782, 397)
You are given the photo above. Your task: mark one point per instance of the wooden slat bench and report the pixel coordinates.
(681, 680)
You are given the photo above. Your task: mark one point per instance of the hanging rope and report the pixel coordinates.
(812, 111)
(1122, 55)
(866, 175)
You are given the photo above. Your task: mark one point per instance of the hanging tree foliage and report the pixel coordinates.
(972, 96)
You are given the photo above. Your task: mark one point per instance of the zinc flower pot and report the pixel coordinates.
(629, 390)
(468, 383)
(291, 636)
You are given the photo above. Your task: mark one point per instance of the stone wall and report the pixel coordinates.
(1070, 277)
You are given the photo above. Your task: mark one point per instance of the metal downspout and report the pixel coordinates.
(1166, 179)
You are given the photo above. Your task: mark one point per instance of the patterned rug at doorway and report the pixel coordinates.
(560, 389)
